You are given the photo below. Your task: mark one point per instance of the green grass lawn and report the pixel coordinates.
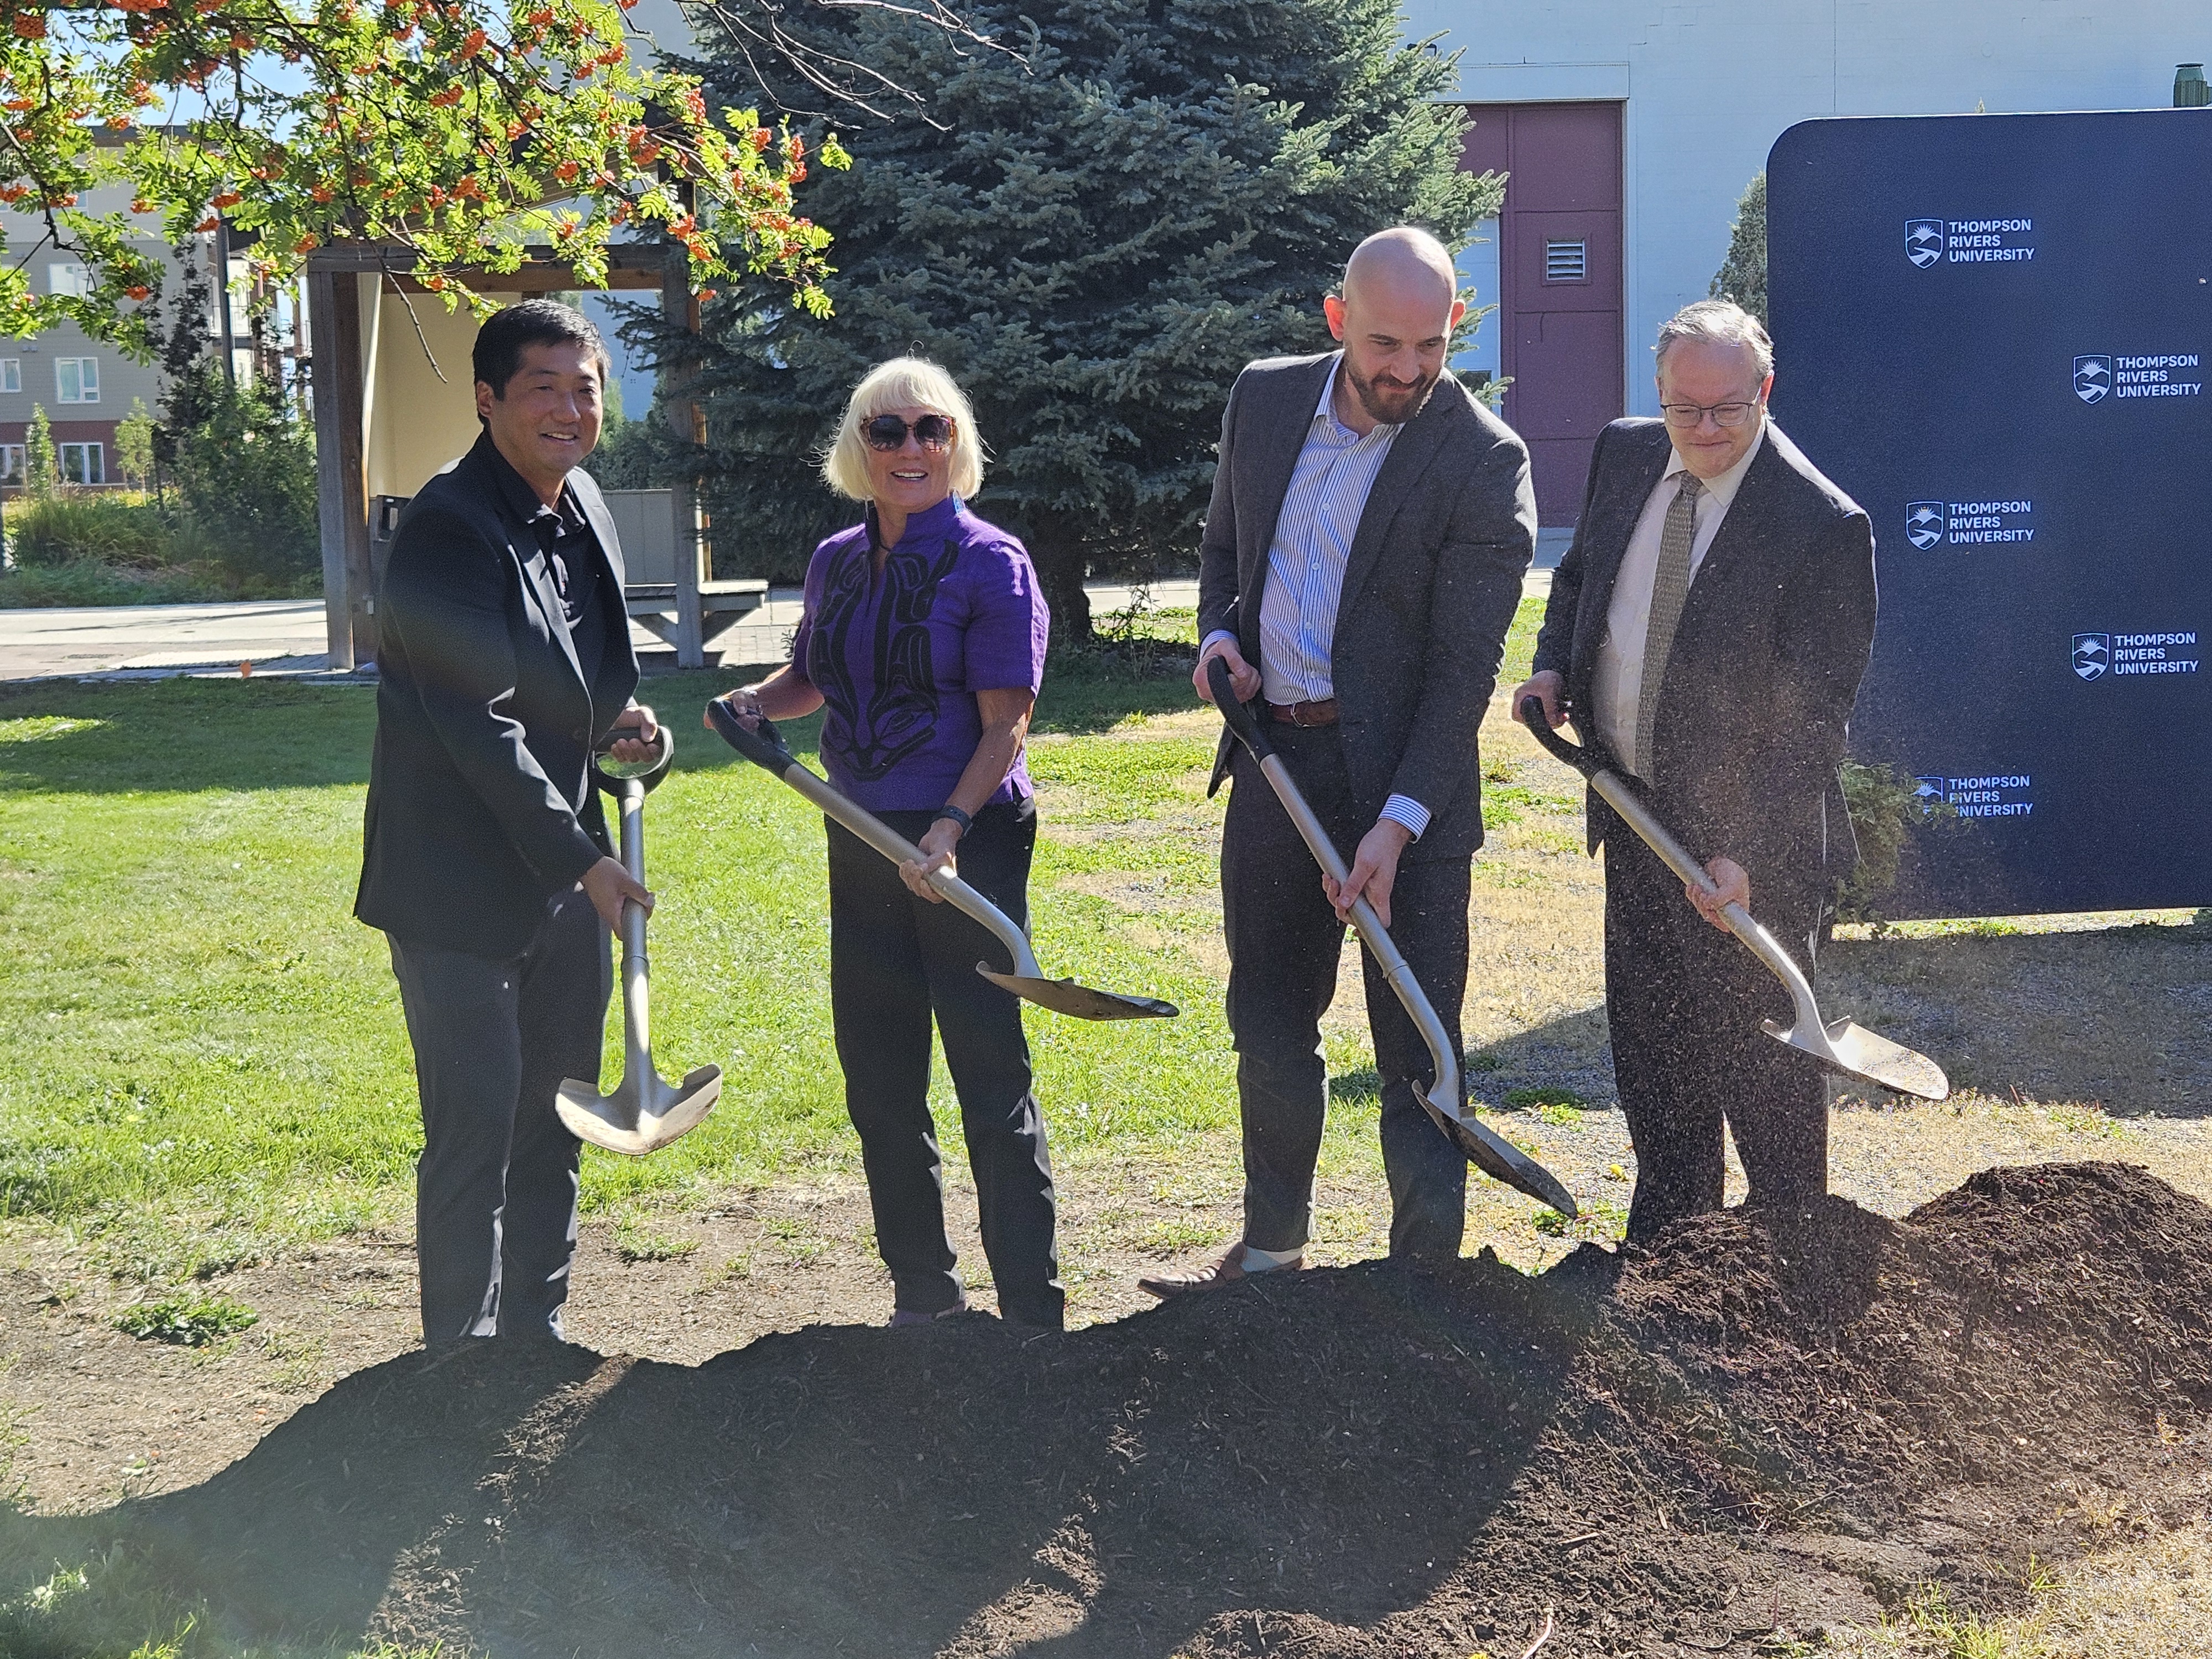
(202, 1051)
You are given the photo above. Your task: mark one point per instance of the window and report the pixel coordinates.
(11, 373)
(84, 464)
(11, 464)
(77, 379)
(1566, 262)
(74, 279)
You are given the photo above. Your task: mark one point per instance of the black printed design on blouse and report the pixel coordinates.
(900, 713)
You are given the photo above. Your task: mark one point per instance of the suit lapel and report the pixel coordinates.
(1618, 510)
(1411, 451)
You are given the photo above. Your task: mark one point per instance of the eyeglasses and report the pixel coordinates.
(1687, 416)
(887, 432)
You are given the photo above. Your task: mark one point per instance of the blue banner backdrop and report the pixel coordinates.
(1993, 332)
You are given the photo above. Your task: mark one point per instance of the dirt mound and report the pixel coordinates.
(1757, 1427)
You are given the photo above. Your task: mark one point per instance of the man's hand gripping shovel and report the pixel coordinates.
(643, 1114)
(1488, 1151)
(1841, 1045)
(764, 747)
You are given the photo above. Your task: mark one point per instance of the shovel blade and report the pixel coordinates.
(1065, 996)
(1501, 1160)
(636, 1120)
(1852, 1051)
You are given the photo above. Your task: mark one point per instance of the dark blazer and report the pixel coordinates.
(1757, 696)
(1430, 589)
(480, 800)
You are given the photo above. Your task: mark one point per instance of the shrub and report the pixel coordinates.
(245, 472)
(73, 527)
(1886, 807)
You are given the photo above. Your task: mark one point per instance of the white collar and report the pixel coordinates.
(1723, 489)
(1324, 406)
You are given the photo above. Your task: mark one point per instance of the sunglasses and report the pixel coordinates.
(887, 432)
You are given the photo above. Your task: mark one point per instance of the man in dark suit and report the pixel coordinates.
(504, 656)
(1361, 562)
(1707, 630)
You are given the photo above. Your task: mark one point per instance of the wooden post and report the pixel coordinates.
(679, 306)
(341, 474)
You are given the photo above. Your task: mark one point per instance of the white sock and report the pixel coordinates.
(1257, 1261)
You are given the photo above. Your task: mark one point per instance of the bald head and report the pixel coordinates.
(1401, 304)
(1402, 262)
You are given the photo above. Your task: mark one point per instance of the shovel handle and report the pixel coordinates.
(1585, 761)
(765, 748)
(762, 744)
(613, 782)
(1623, 797)
(1239, 715)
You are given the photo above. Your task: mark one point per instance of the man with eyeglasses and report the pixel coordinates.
(1707, 630)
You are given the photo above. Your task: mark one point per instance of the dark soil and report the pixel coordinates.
(1757, 1428)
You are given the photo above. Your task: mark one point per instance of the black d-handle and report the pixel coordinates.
(616, 782)
(1585, 761)
(1241, 719)
(763, 745)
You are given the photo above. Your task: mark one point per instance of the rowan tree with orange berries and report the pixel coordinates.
(455, 132)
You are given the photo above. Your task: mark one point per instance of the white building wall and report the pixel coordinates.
(1709, 85)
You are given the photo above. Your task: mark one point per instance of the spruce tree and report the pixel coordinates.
(1093, 229)
(1742, 274)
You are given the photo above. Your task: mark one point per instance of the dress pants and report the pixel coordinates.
(896, 962)
(1285, 943)
(1683, 1002)
(495, 1191)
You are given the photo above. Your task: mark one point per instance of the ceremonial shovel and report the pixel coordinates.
(765, 749)
(1841, 1047)
(643, 1114)
(1490, 1153)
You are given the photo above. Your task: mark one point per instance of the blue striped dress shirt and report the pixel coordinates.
(1321, 513)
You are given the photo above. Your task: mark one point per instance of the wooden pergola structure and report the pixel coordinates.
(335, 279)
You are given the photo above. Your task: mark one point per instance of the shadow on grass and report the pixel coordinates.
(1105, 1493)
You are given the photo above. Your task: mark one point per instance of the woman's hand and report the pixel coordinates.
(744, 702)
(936, 854)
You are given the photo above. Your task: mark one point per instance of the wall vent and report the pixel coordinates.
(1566, 262)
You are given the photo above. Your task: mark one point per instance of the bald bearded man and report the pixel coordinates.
(1361, 562)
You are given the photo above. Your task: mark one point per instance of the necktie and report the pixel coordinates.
(1670, 586)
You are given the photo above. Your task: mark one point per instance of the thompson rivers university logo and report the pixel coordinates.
(1932, 242)
(2100, 375)
(2096, 655)
(1968, 524)
(1992, 795)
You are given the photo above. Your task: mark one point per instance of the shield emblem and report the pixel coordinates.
(1924, 523)
(1930, 793)
(1923, 241)
(2091, 655)
(2093, 378)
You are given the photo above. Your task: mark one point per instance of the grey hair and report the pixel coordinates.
(1721, 322)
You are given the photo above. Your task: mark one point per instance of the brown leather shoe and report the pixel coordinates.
(1228, 1270)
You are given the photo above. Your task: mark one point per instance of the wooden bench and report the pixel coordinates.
(674, 599)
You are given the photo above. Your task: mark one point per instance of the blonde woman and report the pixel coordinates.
(923, 639)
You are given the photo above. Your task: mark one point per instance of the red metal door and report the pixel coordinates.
(1560, 276)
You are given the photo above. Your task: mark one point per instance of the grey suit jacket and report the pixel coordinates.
(1429, 591)
(1756, 702)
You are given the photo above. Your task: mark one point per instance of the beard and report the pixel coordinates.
(1391, 402)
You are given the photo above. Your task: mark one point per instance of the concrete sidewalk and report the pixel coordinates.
(285, 636)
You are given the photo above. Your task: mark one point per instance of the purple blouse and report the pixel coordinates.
(899, 660)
